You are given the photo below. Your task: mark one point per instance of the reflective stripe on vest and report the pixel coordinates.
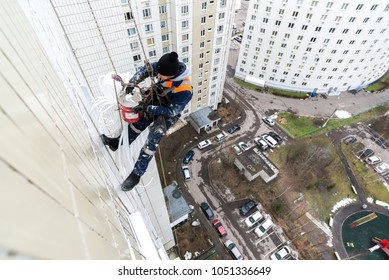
(185, 85)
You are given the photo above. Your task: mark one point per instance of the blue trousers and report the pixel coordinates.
(157, 131)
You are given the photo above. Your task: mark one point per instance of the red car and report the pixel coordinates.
(219, 227)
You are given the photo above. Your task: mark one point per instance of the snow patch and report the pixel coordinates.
(342, 114)
(342, 203)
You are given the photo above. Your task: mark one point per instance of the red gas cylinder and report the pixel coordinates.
(125, 107)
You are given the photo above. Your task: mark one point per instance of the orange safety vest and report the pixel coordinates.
(185, 85)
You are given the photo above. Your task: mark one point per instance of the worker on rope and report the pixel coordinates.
(174, 91)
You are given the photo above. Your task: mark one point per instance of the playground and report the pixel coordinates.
(360, 233)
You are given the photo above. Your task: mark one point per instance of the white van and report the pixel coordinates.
(270, 141)
(220, 136)
(186, 171)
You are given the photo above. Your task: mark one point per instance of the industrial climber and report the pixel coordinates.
(174, 92)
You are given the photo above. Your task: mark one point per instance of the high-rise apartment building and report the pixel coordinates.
(60, 191)
(199, 31)
(315, 46)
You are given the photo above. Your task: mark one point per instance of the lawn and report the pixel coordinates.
(381, 84)
(297, 126)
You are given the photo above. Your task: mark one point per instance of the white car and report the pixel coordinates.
(281, 254)
(264, 227)
(204, 144)
(261, 143)
(220, 136)
(237, 150)
(254, 218)
(243, 146)
(382, 168)
(268, 121)
(373, 160)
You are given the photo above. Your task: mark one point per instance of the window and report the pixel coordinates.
(150, 41)
(366, 19)
(291, 25)
(371, 31)
(308, 49)
(338, 18)
(323, 17)
(339, 42)
(219, 28)
(146, 13)
(323, 69)
(204, 5)
(274, 33)
(281, 11)
(265, 20)
(185, 49)
(379, 20)
(313, 39)
(203, 20)
(163, 24)
(136, 57)
(131, 31)
(202, 33)
(219, 40)
(223, 3)
(352, 42)
(222, 15)
(344, 6)
(166, 50)
(363, 42)
(314, 3)
(317, 29)
(268, 9)
(345, 31)
(386, 8)
(345, 52)
(185, 24)
(359, 6)
(358, 31)
(152, 53)
(333, 52)
(309, 16)
(256, 6)
(262, 30)
(185, 37)
(165, 37)
(330, 4)
(352, 19)
(278, 22)
(299, 38)
(162, 9)
(304, 27)
(184, 9)
(128, 16)
(326, 41)
(295, 14)
(134, 45)
(149, 28)
(332, 30)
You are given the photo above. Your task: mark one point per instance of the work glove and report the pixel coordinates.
(129, 90)
(140, 108)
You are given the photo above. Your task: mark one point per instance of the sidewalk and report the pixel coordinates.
(317, 107)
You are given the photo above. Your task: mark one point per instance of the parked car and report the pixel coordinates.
(233, 250)
(219, 227)
(261, 143)
(264, 227)
(207, 210)
(245, 208)
(349, 139)
(237, 150)
(381, 142)
(204, 144)
(366, 153)
(185, 170)
(382, 168)
(238, 38)
(188, 157)
(275, 136)
(268, 121)
(280, 254)
(270, 141)
(373, 160)
(244, 147)
(220, 136)
(253, 219)
(234, 128)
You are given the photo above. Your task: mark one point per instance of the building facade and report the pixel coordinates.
(315, 46)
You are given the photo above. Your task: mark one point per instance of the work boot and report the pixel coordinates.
(131, 181)
(112, 143)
